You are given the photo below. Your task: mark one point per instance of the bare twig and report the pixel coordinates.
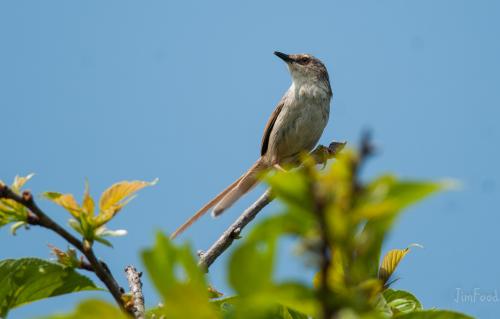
(321, 154)
(39, 218)
(233, 232)
(135, 284)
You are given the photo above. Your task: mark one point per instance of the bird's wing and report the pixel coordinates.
(269, 126)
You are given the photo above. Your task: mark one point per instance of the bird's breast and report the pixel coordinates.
(299, 125)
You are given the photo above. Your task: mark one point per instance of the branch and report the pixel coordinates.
(233, 232)
(321, 154)
(135, 284)
(37, 217)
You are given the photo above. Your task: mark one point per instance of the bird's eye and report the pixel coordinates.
(304, 60)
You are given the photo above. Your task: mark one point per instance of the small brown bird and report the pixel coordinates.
(295, 126)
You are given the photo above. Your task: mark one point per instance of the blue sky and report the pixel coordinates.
(182, 90)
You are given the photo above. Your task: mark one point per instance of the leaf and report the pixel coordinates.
(76, 226)
(290, 223)
(19, 182)
(214, 293)
(397, 195)
(287, 313)
(16, 226)
(104, 232)
(67, 258)
(10, 210)
(176, 275)
(409, 192)
(67, 201)
(28, 279)
(160, 262)
(251, 266)
(390, 262)
(296, 297)
(433, 314)
(401, 301)
(88, 202)
(158, 312)
(103, 241)
(292, 188)
(115, 197)
(92, 309)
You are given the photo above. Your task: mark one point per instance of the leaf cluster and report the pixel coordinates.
(337, 221)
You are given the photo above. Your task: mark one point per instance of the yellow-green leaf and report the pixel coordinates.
(391, 261)
(19, 181)
(374, 210)
(67, 201)
(88, 202)
(434, 314)
(118, 195)
(91, 309)
(12, 211)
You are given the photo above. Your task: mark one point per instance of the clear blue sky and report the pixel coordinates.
(113, 90)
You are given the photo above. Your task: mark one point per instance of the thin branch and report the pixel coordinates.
(135, 284)
(233, 232)
(321, 154)
(39, 218)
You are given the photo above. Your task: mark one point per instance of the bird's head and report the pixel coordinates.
(305, 68)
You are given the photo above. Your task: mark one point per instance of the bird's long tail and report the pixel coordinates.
(245, 184)
(225, 198)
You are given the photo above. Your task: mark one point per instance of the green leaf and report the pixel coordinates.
(296, 297)
(176, 275)
(214, 293)
(92, 309)
(159, 262)
(292, 188)
(292, 222)
(408, 192)
(396, 195)
(76, 226)
(401, 301)
(287, 313)
(433, 314)
(28, 279)
(103, 241)
(251, 266)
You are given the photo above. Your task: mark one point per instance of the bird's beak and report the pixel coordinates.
(283, 56)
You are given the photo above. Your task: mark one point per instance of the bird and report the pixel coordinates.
(295, 126)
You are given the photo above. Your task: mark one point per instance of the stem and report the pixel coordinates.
(135, 284)
(233, 232)
(39, 218)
